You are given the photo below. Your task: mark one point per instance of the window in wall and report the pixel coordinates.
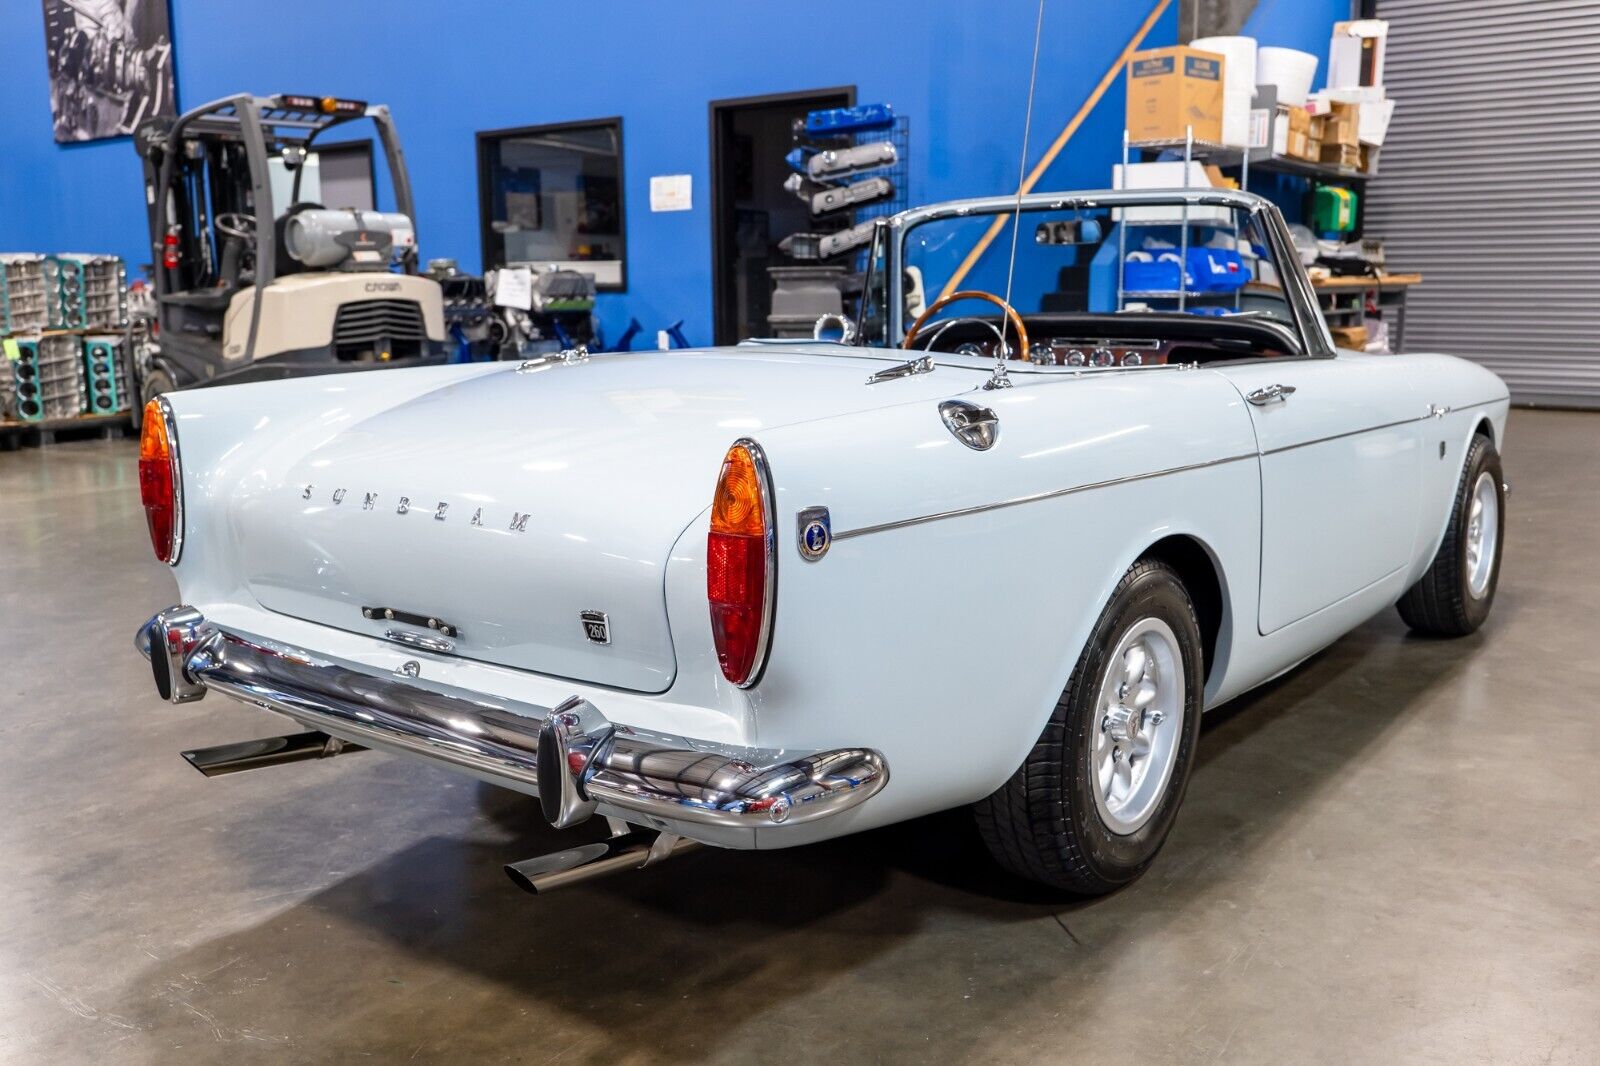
(339, 174)
(552, 196)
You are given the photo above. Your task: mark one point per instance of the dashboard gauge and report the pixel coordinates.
(1042, 354)
(1102, 357)
(1133, 359)
(969, 348)
(1075, 357)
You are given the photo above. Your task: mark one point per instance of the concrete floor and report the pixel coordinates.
(1391, 855)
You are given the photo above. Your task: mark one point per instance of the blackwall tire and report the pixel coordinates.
(1454, 596)
(154, 384)
(1051, 822)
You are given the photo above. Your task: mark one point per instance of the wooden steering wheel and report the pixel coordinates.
(1021, 351)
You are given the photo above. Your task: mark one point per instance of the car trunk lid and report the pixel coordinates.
(518, 510)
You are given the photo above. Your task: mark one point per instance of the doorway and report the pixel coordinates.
(751, 211)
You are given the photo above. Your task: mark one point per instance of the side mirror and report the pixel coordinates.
(1069, 232)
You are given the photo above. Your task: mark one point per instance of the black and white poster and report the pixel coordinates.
(110, 65)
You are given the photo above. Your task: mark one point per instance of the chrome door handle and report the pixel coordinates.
(417, 640)
(1270, 394)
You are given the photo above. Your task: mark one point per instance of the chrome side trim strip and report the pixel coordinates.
(1342, 436)
(1018, 501)
(961, 512)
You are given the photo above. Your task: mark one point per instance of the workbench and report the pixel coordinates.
(1343, 301)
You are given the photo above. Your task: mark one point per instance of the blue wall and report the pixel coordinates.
(448, 69)
(1306, 25)
(1303, 24)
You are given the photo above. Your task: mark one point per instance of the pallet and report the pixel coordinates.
(52, 430)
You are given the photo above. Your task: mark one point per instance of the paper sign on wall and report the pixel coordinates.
(513, 287)
(671, 192)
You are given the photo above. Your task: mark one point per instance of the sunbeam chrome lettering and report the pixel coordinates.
(517, 522)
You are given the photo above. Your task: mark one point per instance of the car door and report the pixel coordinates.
(1339, 441)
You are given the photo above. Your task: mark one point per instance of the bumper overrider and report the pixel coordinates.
(571, 755)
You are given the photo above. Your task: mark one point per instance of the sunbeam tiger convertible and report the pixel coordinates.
(764, 595)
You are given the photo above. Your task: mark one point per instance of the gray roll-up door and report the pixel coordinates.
(1489, 184)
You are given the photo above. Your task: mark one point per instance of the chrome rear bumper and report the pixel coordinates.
(570, 755)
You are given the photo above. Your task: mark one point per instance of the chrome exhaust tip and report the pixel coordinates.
(630, 851)
(268, 751)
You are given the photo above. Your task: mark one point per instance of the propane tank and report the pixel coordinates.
(326, 237)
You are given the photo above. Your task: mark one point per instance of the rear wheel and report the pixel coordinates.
(1453, 598)
(1094, 801)
(156, 382)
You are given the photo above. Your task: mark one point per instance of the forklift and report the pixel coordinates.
(246, 289)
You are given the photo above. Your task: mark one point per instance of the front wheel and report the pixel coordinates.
(1453, 597)
(1096, 797)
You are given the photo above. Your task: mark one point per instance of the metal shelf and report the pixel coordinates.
(1184, 221)
(1260, 159)
(1173, 294)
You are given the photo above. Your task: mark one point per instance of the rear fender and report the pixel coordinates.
(946, 643)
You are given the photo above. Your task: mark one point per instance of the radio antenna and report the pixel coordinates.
(1001, 380)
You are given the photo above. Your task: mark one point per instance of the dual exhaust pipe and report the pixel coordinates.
(630, 848)
(572, 754)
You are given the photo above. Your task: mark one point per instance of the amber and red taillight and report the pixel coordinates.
(160, 482)
(741, 563)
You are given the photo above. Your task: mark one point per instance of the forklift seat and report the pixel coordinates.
(231, 276)
(214, 300)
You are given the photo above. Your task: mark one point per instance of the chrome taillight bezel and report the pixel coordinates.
(769, 563)
(169, 427)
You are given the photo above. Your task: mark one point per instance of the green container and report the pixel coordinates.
(1333, 209)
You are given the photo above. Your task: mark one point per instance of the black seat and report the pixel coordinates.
(213, 300)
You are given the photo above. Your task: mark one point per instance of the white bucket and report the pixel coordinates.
(1240, 52)
(1290, 70)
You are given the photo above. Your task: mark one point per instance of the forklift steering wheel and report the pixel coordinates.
(237, 224)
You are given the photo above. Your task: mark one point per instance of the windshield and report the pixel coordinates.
(1193, 259)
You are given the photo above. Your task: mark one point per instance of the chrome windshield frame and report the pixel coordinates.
(1309, 325)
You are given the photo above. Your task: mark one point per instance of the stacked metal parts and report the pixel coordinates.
(108, 384)
(850, 167)
(91, 291)
(63, 321)
(47, 376)
(23, 302)
(846, 159)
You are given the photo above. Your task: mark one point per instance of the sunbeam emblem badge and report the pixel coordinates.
(815, 533)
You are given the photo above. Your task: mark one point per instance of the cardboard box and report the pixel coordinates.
(1304, 146)
(1295, 135)
(1342, 124)
(1376, 110)
(1172, 89)
(1350, 337)
(1356, 53)
(1342, 155)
